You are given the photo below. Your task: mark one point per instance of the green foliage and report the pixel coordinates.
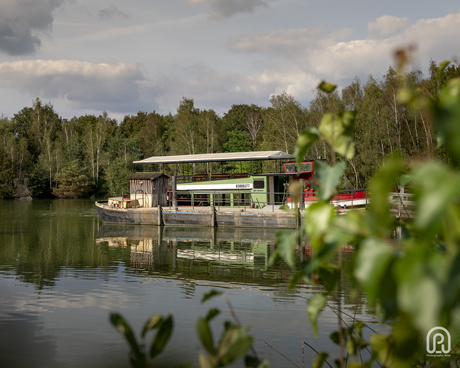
(6, 178)
(234, 342)
(238, 141)
(138, 357)
(412, 282)
(72, 182)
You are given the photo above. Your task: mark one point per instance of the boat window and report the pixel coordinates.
(291, 167)
(258, 184)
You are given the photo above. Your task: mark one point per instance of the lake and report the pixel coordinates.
(62, 272)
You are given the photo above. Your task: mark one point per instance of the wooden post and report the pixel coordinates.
(213, 216)
(160, 215)
(174, 192)
(271, 190)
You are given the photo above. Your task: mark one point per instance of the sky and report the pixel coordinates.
(90, 56)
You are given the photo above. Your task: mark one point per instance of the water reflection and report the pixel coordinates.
(62, 272)
(218, 253)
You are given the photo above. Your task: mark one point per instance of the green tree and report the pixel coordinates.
(72, 182)
(283, 122)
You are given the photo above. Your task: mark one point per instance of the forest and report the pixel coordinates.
(45, 156)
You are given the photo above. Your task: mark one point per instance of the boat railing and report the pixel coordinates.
(210, 177)
(346, 199)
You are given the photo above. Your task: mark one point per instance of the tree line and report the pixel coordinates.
(43, 155)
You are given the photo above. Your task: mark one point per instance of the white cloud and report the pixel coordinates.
(276, 42)
(110, 86)
(388, 25)
(285, 43)
(309, 58)
(221, 9)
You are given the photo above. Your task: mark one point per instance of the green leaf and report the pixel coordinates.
(295, 279)
(329, 274)
(420, 293)
(404, 180)
(211, 314)
(204, 333)
(328, 179)
(318, 218)
(253, 362)
(372, 259)
(123, 327)
(210, 295)
(327, 87)
(382, 183)
(285, 243)
(151, 323)
(438, 190)
(237, 349)
(314, 306)
(335, 337)
(338, 130)
(442, 68)
(162, 337)
(304, 142)
(322, 358)
(204, 361)
(446, 115)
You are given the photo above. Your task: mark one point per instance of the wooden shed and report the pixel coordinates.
(149, 188)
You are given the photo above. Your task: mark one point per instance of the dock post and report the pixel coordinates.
(174, 192)
(160, 215)
(213, 216)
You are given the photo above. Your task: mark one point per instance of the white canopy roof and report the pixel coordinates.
(216, 157)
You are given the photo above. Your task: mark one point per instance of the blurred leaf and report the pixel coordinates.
(123, 327)
(162, 337)
(419, 292)
(151, 323)
(204, 361)
(322, 357)
(381, 346)
(285, 242)
(294, 191)
(314, 306)
(328, 179)
(318, 217)
(304, 142)
(205, 335)
(335, 337)
(372, 259)
(296, 278)
(329, 274)
(441, 69)
(446, 115)
(338, 131)
(229, 336)
(382, 183)
(253, 362)
(210, 295)
(327, 87)
(404, 180)
(439, 189)
(237, 349)
(213, 312)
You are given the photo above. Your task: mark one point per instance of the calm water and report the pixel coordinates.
(62, 272)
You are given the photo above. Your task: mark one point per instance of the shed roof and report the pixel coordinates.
(216, 157)
(146, 176)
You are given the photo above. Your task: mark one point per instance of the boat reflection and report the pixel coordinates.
(153, 247)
